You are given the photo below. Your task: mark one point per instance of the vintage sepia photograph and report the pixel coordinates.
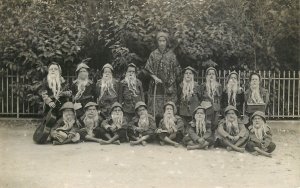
(149, 93)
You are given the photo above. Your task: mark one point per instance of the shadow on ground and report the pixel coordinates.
(25, 164)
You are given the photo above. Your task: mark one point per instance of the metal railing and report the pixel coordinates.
(284, 89)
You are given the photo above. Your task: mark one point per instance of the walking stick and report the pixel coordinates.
(154, 98)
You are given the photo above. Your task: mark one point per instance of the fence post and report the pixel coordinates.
(18, 94)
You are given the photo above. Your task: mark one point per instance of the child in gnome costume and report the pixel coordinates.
(54, 90)
(142, 127)
(189, 95)
(91, 122)
(114, 129)
(233, 94)
(107, 90)
(199, 131)
(131, 91)
(211, 92)
(171, 127)
(260, 142)
(231, 132)
(83, 89)
(66, 129)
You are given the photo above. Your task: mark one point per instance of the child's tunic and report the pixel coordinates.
(129, 98)
(146, 130)
(268, 145)
(193, 136)
(64, 130)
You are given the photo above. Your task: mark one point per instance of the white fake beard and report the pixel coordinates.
(260, 132)
(91, 123)
(169, 121)
(232, 128)
(255, 94)
(131, 82)
(232, 88)
(81, 87)
(107, 85)
(69, 120)
(211, 87)
(54, 83)
(200, 126)
(188, 88)
(143, 121)
(117, 119)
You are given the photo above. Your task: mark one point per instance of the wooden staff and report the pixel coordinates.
(154, 98)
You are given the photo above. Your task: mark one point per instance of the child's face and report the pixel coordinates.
(254, 80)
(130, 71)
(91, 111)
(211, 74)
(117, 111)
(233, 77)
(107, 73)
(169, 110)
(162, 43)
(53, 70)
(188, 75)
(257, 121)
(83, 74)
(231, 115)
(142, 111)
(200, 114)
(69, 114)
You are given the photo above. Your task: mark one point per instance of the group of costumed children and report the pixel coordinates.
(179, 110)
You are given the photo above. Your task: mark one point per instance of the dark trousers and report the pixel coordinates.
(250, 146)
(120, 132)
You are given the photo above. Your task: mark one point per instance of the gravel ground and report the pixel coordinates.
(25, 164)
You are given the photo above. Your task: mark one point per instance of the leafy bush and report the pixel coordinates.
(234, 34)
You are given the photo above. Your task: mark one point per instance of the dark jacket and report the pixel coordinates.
(107, 100)
(108, 122)
(240, 100)
(179, 124)
(127, 98)
(223, 133)
(89, 94)
(216, 104)
(47, 96)
(264, 93)
(73, 130)
(191, 130)
(134, 124)
(267, 138)
(187, 106)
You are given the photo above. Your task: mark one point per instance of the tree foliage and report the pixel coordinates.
(234, 34)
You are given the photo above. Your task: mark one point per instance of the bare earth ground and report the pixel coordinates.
(25, 164)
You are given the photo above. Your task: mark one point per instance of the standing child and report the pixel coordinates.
(107, 90)
(131, 91)
(83, 89)
(188, 94)
(211, 92)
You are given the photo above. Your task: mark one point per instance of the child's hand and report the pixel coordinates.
(52, 104)
(235, 138)
(159, 131)
(201, 141)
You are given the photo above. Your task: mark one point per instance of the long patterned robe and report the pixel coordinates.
(166, 67)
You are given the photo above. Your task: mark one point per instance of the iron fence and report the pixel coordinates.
(284, 89)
